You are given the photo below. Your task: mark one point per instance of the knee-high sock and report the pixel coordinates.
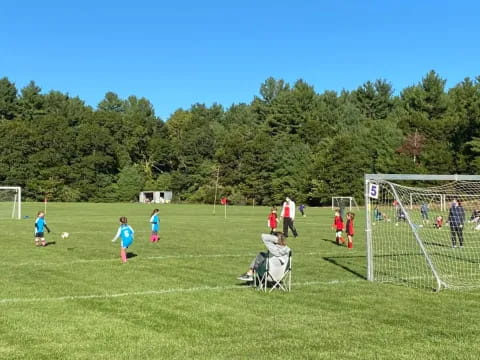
(152, 238)
(123, 255)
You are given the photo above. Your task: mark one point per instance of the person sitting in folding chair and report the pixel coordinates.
(277, 249)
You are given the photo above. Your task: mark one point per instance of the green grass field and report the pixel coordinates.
(179, 299)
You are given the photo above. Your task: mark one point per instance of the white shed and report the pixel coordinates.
(155, 197)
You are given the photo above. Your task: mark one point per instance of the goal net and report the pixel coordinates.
(10, 202)
(426, 235)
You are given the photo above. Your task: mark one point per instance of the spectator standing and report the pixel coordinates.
(456, 219)
(288, 216)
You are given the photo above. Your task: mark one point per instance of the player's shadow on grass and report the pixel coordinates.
(131, 255)
(432, 243)
(342, 262)
(331, 241)
(50, 243)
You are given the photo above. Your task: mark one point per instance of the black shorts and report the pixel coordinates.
(39, 234)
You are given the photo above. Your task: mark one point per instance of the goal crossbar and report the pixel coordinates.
(428, 177)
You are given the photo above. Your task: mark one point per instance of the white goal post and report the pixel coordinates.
(424, 235)
(10, 202)
(345, 201)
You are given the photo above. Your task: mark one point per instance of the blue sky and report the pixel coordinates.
(178, 53)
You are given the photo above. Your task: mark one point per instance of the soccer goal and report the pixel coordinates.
(426, 235)
(10, 202)
(344, 202)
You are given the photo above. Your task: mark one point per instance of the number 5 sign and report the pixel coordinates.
(373, 191)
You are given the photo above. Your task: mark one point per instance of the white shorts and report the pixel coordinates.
(338, 233)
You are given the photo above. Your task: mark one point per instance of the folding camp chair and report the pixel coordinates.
(273, 274)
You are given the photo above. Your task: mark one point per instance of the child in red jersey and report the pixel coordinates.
(438, 222)
(338, 226)
(272, 220)
(349, 229)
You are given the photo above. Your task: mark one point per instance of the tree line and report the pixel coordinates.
(289, 140)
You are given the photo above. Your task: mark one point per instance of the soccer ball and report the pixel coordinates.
(64, 235)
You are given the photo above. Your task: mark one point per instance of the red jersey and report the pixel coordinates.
(286, 210)
(272, 220)
(440, 222)
(338, 223)
(349, 227)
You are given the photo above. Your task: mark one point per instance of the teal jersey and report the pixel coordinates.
(40, 224)
(155, 221)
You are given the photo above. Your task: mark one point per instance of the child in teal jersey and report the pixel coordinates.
(125, 233)
(40, 227)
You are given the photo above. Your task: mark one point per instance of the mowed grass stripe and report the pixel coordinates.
(164, 291)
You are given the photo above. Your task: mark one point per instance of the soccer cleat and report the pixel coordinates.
(245, 277)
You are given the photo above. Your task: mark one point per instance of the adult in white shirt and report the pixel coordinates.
(288, 215)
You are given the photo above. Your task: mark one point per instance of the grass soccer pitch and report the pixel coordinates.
(180, 299)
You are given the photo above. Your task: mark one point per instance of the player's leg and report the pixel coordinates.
(292, 227)
(285, 226)
(123, 249)
(123, 254)
(453, 235)
(460, 235)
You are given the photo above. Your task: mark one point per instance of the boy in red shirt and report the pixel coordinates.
(349, 229)
(338, 225)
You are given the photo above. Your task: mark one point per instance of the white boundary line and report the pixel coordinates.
(159, 292)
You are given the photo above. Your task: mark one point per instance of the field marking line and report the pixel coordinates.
(160, 292)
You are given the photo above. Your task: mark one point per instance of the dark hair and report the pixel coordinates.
(155, 211)
(123, 219)
(352, 215)
(281, 238)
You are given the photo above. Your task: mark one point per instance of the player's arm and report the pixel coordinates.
(46, 227)
(117, 235)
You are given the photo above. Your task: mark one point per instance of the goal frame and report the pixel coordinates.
(351, 202)
(373, 179)
(17, 201)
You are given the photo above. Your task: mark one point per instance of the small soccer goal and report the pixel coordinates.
(10, 202)
(423, 235)
(344, 202)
